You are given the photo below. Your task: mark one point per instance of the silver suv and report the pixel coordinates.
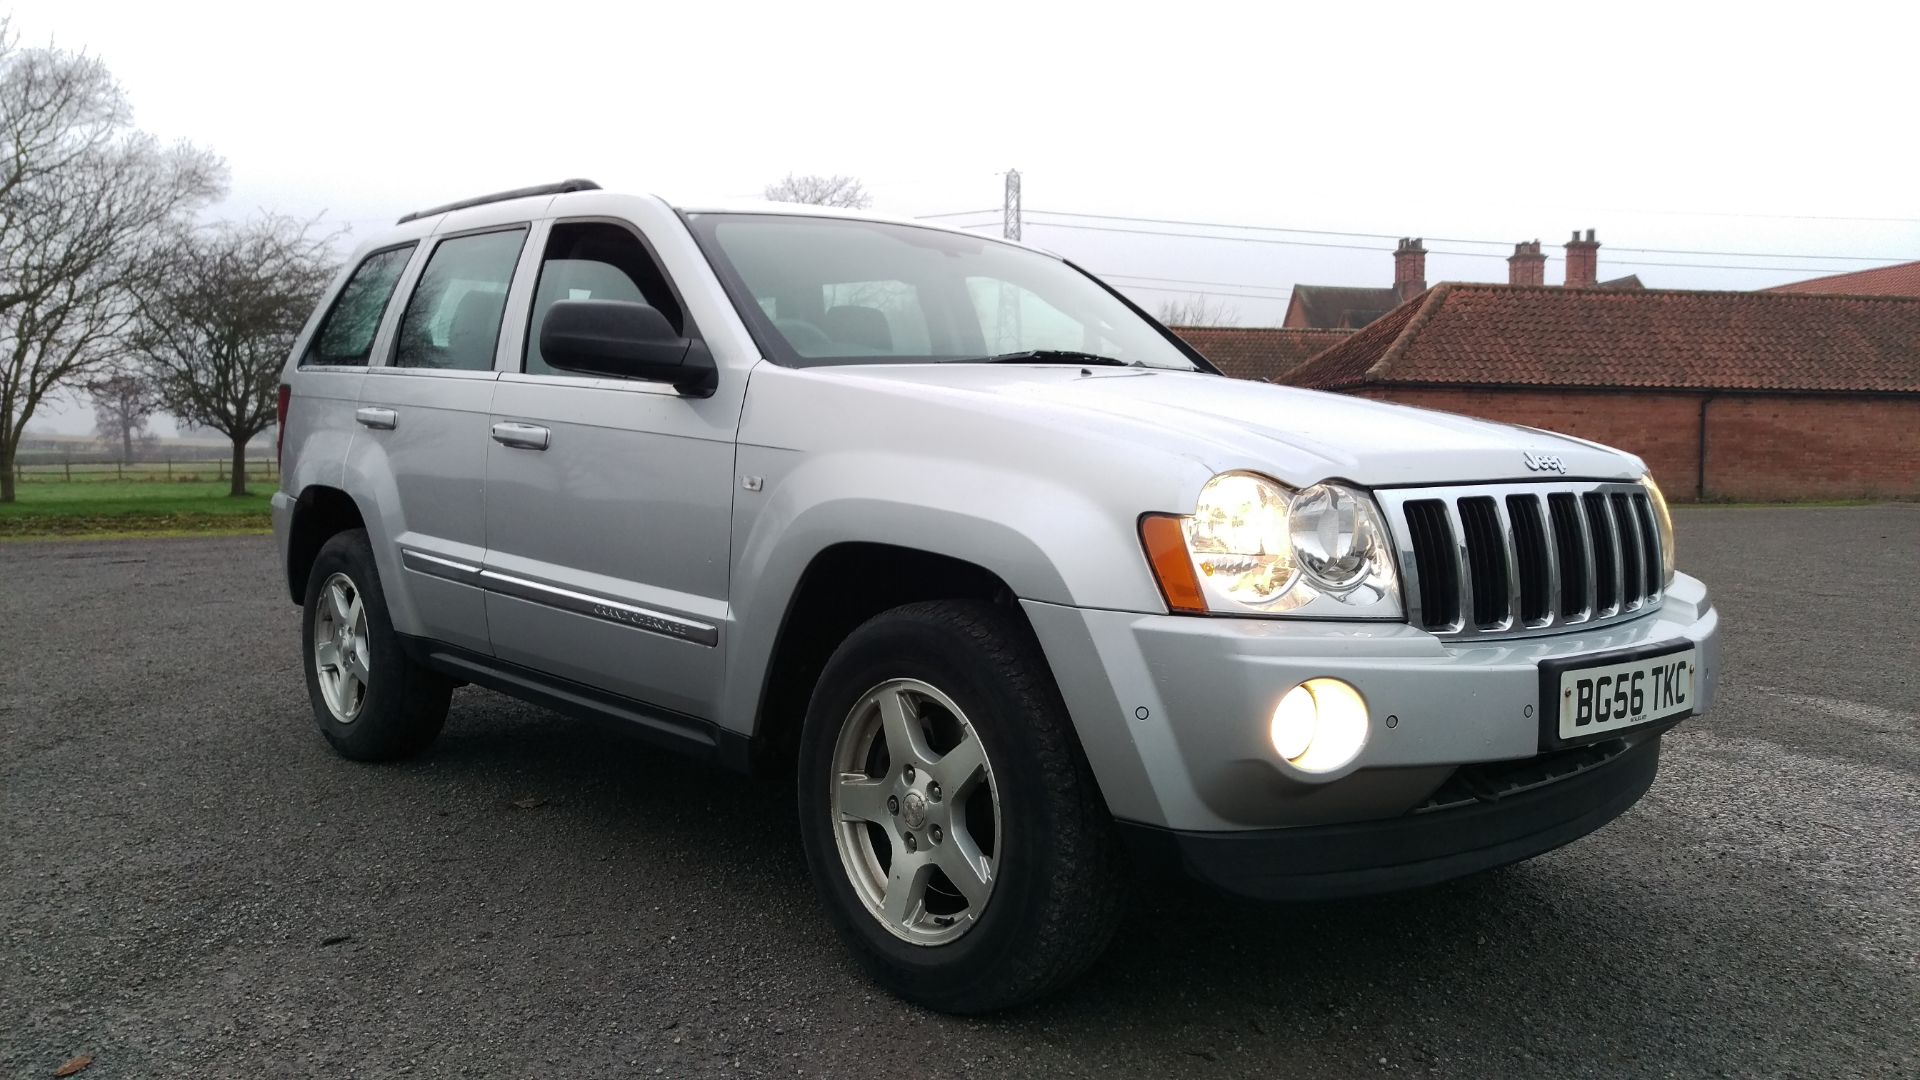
(1020, 589)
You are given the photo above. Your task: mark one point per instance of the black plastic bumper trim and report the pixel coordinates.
(1324, 862)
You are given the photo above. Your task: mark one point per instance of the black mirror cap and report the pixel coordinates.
(622, 339)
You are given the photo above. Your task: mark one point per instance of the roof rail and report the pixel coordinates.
(502, 196)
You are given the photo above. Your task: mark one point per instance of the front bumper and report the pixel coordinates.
(1173, 711)
(1321, 862)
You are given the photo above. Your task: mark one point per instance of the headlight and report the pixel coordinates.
(1255, 546)
(1664, 518)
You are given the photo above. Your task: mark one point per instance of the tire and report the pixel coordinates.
(1053, 892)
(397, 707)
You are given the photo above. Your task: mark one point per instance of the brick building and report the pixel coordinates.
(1344, 307)
(1261, 353)
(1728, 395)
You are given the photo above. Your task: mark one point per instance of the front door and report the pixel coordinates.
(609, 500)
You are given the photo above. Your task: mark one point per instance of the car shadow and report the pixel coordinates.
(1574, 956)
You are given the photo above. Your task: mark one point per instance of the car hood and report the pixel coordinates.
(1298, 436)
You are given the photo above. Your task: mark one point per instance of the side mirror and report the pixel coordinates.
(624, 340)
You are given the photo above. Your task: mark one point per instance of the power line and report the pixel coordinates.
(1456, 240)
(1373, 247)
(1193, 292)
(1187, 281)
(1775, 217)
(1437, 240)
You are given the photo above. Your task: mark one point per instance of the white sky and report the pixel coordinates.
(1710, 127)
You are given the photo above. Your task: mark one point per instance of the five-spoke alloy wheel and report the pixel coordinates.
(917, 818)
(370, 699)
(340, 648)
(953, 828)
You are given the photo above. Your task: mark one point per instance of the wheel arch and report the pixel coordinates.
(320, 513)
(844, 585)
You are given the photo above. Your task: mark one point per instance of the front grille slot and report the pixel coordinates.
(1531, 557)
(1606, 557)
(1649, 545)
(1632, 591)
(1513, 558)
(1433, 556)
(1486, 560)
(1570, 546)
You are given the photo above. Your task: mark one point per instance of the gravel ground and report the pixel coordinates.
(191, 884)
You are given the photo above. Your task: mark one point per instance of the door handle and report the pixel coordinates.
(378, 419)
(522, 436)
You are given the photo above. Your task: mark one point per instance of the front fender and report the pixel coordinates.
(1047, 540)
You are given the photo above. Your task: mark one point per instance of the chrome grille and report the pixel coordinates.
(1508, 559)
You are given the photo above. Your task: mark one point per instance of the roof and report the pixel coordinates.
(1506, 335)
(1261, 353)
(1339, 306)
(1631, 281)
(1902, 279)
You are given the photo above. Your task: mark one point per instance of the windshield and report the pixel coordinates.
(841, 291)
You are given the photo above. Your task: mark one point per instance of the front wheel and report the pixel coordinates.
(951, 823)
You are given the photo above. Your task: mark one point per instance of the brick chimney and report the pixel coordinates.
(1527, 266)
(1583, 261)
(1410, 268)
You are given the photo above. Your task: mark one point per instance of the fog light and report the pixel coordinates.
(1319, 725)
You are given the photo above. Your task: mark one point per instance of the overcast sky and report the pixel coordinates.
(1746, 129)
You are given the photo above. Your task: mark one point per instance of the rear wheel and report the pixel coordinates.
(370, 700)
(952, 826)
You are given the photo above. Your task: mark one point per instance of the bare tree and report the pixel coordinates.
(123, 401)
(86, 202)
(842, 191)
(215, 328)
(1197, 310)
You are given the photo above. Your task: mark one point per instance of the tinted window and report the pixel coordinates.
(452, 321)
(595, 260)
(345, 336)
(836, 291)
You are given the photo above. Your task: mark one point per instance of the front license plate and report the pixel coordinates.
(1595, 700)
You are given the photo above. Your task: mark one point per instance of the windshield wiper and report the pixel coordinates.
(1051, 356)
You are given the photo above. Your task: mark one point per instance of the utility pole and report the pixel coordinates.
(1009, 321)
(1011, 226)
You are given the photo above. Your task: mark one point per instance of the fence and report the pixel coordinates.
(79, 468)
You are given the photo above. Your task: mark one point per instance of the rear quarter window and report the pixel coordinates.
(345, 337)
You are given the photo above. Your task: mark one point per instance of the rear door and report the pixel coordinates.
(609, 501)
(426, 413)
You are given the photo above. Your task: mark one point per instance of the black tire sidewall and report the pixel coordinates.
(899, 645)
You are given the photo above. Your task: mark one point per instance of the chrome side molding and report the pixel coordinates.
(648, 620)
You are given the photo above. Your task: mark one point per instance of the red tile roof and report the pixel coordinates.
(1900, 280)
(1504, 335)
(1261, 353)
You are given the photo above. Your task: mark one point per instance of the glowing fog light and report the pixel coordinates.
(1319, 725)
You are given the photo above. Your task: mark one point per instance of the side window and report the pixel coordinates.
(595, 260)
(452, 321)
(345, 337)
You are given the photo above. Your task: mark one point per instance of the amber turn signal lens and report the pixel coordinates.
(1166, 544)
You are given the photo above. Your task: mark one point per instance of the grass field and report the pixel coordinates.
(133, 507)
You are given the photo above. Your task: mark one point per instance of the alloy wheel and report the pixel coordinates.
(340, 647)
(916, 815)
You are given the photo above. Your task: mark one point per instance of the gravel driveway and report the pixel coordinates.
(191, 884)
